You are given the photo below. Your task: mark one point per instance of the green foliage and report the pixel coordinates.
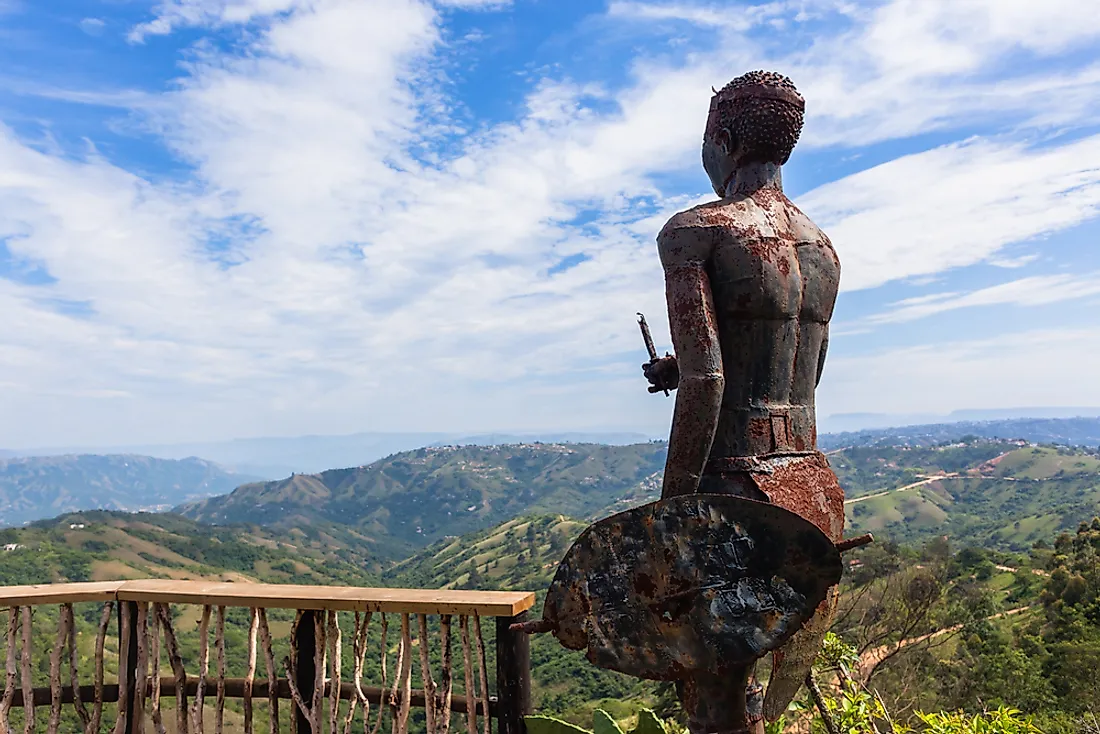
(854, 710)
(550, 725)
(602, 723)
(999, 721)
(43, 563)
(837, 654)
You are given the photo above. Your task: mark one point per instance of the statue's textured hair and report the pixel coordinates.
(764, 113)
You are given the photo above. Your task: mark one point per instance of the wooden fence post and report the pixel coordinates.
(128, 664)
(305, 673)
(513, 676)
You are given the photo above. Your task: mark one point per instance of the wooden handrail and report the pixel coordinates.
(276, 596)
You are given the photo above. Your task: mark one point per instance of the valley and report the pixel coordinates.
(974, 518)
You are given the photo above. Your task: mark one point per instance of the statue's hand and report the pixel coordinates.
(663, 373)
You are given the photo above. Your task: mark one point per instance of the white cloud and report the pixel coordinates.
(954, 206)
(901, 67)
(170, 15)
(726, 17)
(374, 288)
(92, 26)
(474, 4)
(1039, 290)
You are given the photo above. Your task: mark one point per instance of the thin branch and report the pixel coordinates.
(250, 673)
(204, 671)
(468, 672)
(74, 664)
(381, 708)
(12, 670)
(426, 679)
(100, 642)
(272, 673)
(483, 675)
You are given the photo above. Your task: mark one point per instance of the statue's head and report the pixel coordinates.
(756, 118)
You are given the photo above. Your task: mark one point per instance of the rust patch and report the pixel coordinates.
(807, 486)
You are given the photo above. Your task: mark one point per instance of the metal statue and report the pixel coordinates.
(751, 284)
(740, 557)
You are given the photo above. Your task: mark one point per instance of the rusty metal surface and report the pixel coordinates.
(751, 283)
(694, 584)
(791, 662)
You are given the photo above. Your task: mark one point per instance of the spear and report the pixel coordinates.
(648, 338)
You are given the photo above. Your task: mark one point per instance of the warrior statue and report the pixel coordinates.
(750, 284)
(741, 555)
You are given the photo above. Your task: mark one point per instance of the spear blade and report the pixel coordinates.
(647, 337)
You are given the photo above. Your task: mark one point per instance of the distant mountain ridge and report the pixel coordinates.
(37, 487)
(1079, 431)
(278, 457)
(856, 422)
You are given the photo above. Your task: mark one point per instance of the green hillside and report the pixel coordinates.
(1020, 496)
(102, 546)
(46, 486)
(1004, 493)
(415, 498)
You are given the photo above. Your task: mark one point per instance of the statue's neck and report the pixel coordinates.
(753, 177)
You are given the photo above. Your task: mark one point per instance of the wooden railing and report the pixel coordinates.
(325, 690)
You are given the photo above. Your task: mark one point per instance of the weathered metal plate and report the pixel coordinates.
(693, 583)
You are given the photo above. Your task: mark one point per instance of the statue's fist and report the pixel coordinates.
(663, 373)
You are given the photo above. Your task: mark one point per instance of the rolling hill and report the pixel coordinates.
(102, 546)
(998, 492)
(1024, 494)
(412, 499)
(33, 488)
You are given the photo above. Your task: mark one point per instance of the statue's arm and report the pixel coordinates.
(684, 255)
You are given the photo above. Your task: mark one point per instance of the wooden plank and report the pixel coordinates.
(101, 591)
(234, 688)
(281, 596)
(341, 598)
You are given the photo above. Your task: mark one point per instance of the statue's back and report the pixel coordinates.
(774, 279)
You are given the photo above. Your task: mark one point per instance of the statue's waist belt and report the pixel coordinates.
(764, 464)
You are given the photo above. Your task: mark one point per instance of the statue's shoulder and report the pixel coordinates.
(690, 236)
(725, 213)
(803, 228)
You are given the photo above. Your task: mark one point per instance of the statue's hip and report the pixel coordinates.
(799, 481)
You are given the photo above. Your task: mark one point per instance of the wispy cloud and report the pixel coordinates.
(474, 4)
(735, 18)
(1039, 290)
(172, 14)
(954, 206)
(92, 26)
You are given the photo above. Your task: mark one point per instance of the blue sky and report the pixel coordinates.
(225, 218)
